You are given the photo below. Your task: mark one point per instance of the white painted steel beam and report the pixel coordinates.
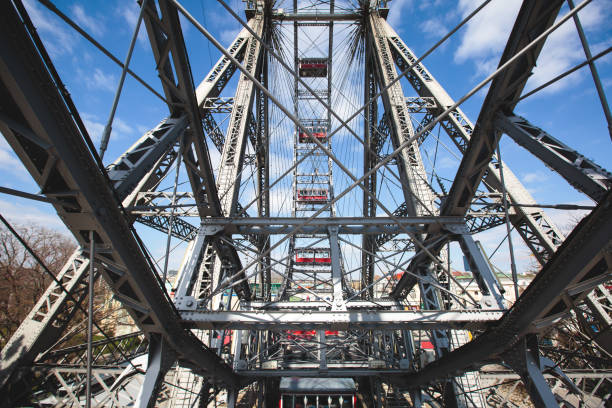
(340, 320)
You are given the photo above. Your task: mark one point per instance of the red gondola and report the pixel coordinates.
(319, 132)
(312, 256)
(307, 334)
(301, 334)
(312, 195)
(313, 67)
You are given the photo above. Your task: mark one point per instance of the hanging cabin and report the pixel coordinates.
(319, 132)
(312, 256)
(312, 67)
(312, 195)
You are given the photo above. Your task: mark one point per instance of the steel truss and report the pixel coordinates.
(322, 322)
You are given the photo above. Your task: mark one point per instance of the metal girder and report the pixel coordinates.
(317, 16)
(223, 70)
(598, 320)
(419, 104)
(410, 165)
(66, 168)
(144, 164)
(130, 169)
(582, 173)
(232, 159)
(111, 351)
(571, 373)
(534, 18)
(324, 222)
(207, 93)
(418, 194)
(70, 383)
(536, 229)
(486, 212)
(60, 301)
(525, 360)
(262, 163)
(190, 265)
(534, 226)
(159, 203)
(337, 280)
(584, 258)
(370, 154)
(485, 278)
(180, 229)
(427, 119)
(160, 358)
(218, 104)
(132, 166)
(340, 320)
(334, 370)
(401, 211)
(315, 305)
(170, 54)
(269, 230)
(48, 318)
(212, 130)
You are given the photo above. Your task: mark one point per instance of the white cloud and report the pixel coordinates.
(500, 257)
(101, 80)
(142, 129)
(122, 127)
(397, 13)
(486, 34)
(10, 163)
(280, 201)
(566, 220)
(434, 27)
(17, 212)
(534, 176)
(447, 162)
(485, 37)
(563, 50)
(227, 36)
(88, 22)
(129, 11)
(215, 156)
(429, 4)
(95, 128)
(57, 38)
(185, 24)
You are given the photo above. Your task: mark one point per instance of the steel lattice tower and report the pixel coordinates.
(350, 277)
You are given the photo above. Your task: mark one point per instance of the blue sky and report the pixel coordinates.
(569, 110)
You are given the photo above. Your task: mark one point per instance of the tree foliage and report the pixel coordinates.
(22, 279)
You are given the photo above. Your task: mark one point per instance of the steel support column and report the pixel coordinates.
(232, 161)
(579, 171)
(370, 152)
(68, 169)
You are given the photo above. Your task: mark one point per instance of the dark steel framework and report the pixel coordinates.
(204, 338)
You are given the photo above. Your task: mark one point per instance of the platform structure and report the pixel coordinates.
(348, 275)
